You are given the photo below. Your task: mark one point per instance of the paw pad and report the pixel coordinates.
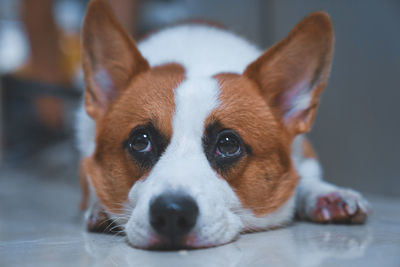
(340, 208)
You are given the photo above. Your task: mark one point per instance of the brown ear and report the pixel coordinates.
(110, 58)
(293, 73)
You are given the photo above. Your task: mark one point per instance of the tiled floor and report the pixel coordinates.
(40, 226)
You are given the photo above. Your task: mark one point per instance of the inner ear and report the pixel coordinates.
(293, 73)
(110, 57)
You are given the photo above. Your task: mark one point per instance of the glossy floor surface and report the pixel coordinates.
(40, 225)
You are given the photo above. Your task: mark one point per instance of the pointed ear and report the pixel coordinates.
(110, 58)
(293, 73)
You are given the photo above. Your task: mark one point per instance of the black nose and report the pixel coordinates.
(173, 215)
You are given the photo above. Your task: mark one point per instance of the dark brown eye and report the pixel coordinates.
(140, 142)
(145, 145)
(223, 147)
(228, 145)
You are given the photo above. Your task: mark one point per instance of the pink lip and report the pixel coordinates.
(189, 242)
(154, 240)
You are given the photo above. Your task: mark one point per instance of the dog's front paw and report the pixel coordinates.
(339, 206)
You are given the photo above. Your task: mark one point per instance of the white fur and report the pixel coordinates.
(85, 132)
(202, 50)
(280, 217)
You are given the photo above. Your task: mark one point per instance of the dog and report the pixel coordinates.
(194, 135)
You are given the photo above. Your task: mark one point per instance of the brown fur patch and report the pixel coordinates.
(264, 179)
(303, 57)
(308, 150)
(149, 98)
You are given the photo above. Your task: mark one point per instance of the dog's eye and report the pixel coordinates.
(140, 142)
(145, 145)
(228, 145)
(223, 147)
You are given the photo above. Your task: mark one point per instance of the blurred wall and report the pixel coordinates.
(240, 16)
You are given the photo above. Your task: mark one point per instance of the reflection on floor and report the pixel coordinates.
(40, 226)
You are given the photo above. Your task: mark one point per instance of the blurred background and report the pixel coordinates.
(357, 130)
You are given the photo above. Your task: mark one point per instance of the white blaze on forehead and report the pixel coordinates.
(184, 162)
(195, 98)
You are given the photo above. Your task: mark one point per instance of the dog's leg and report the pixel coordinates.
(319, 201)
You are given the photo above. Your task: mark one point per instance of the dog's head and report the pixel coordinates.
(193, 161)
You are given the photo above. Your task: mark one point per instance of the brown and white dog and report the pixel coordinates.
(195, 135)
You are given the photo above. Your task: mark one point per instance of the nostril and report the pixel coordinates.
(182, 222)
(158, 222)
(173, 215)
